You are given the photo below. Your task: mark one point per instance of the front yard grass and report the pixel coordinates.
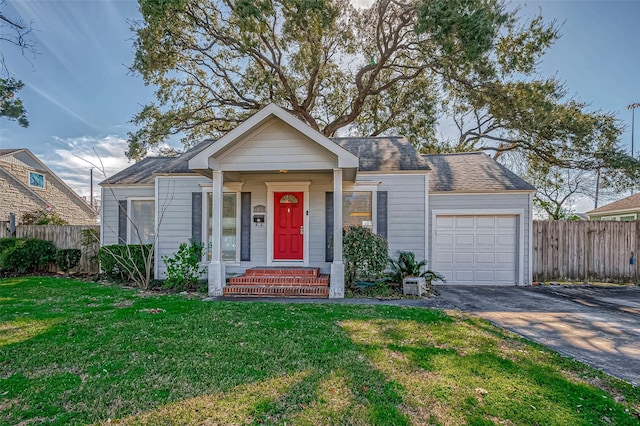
(73, 352)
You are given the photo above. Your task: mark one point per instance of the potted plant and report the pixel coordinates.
(413, 274)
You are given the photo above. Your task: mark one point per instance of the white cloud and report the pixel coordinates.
(73, 158)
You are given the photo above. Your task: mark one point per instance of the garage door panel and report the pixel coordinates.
(464, 222)
(486, 240)
(476, 249)
(444, 239)
(464, 239)
(464, 258)
(444, 222)
(444, 257)
(485, 276)
(506, 222)
(461, 276)
(487, 257)
(485, 222)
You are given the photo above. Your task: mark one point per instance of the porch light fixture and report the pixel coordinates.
(283, 171)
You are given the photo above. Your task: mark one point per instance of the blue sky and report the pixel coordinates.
(80, 95)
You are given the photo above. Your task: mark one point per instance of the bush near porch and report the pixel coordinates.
(73, 352)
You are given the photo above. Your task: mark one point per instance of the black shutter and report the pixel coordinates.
(196, 217)
(328, 227)
(245, 226)
(382, 214)
(122, 222)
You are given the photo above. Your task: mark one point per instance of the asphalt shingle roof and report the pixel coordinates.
(144, 170)
(383, 154)
(4, 152)
(631, 202)
(471, 172)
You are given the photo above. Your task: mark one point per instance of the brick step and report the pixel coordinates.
(321, 280)
(284, 271)
(276, 291)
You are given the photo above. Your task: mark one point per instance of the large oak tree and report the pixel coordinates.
(397, 67)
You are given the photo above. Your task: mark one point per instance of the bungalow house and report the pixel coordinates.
(27, 185)
(626, 209)
(271, 198)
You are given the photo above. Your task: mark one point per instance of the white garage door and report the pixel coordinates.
(479, 250)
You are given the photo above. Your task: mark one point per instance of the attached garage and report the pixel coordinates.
(477, 249)
(480, 216)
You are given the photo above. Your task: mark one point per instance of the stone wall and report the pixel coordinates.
(19, 200)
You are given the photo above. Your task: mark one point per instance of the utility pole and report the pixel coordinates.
(633, 107)
(91, 189)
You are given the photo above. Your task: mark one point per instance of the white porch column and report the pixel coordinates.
(336, 289)
(217, 275)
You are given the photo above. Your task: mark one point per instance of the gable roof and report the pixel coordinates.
(43, 167)
(471, 172)
(384, 154)
(201, 161)
(143, 171)
(4, 152)
(629, 203)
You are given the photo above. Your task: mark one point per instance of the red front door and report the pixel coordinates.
(288, 226)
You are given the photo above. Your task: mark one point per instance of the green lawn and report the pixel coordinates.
(75, 353)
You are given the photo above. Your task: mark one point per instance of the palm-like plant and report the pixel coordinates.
(407, 266)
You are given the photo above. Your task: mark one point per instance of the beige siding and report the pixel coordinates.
(277, 147)
(19, 200)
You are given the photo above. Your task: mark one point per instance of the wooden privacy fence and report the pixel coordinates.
(64, 236)
(586, 251)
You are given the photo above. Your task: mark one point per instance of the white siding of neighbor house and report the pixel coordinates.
(493, 202)
(406, 211)
(173, 211)
(110, 197)
(276, 146)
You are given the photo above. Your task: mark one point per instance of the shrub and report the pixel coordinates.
(25, 255)
(365, 254)
(42, 217)
(132, 263)
(407, 266)
(67, 259)
(183, 268)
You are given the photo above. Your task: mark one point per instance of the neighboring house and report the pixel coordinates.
(27, 184)
(625, 209)
(270, 193)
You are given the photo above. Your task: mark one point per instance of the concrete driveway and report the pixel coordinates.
(596, 325)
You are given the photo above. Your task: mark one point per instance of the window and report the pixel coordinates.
(357, 209)
(627, 218)
(142, 221)
(36, 180)
(229, 226)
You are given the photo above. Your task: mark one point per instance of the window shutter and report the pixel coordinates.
(196, 217)
(122, 221)
(382, 214)
(245, 226)
(328, 228)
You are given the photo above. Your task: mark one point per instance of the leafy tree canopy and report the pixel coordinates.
(14, 33)
(396, 67)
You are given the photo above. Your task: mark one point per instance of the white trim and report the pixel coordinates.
(426, 222)
(156, 225)
(201, 160)
(530, 234)
(130, 216)
(519, 213)
(44, 179)
(395, 173)
(230, 188)
(273, 187)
